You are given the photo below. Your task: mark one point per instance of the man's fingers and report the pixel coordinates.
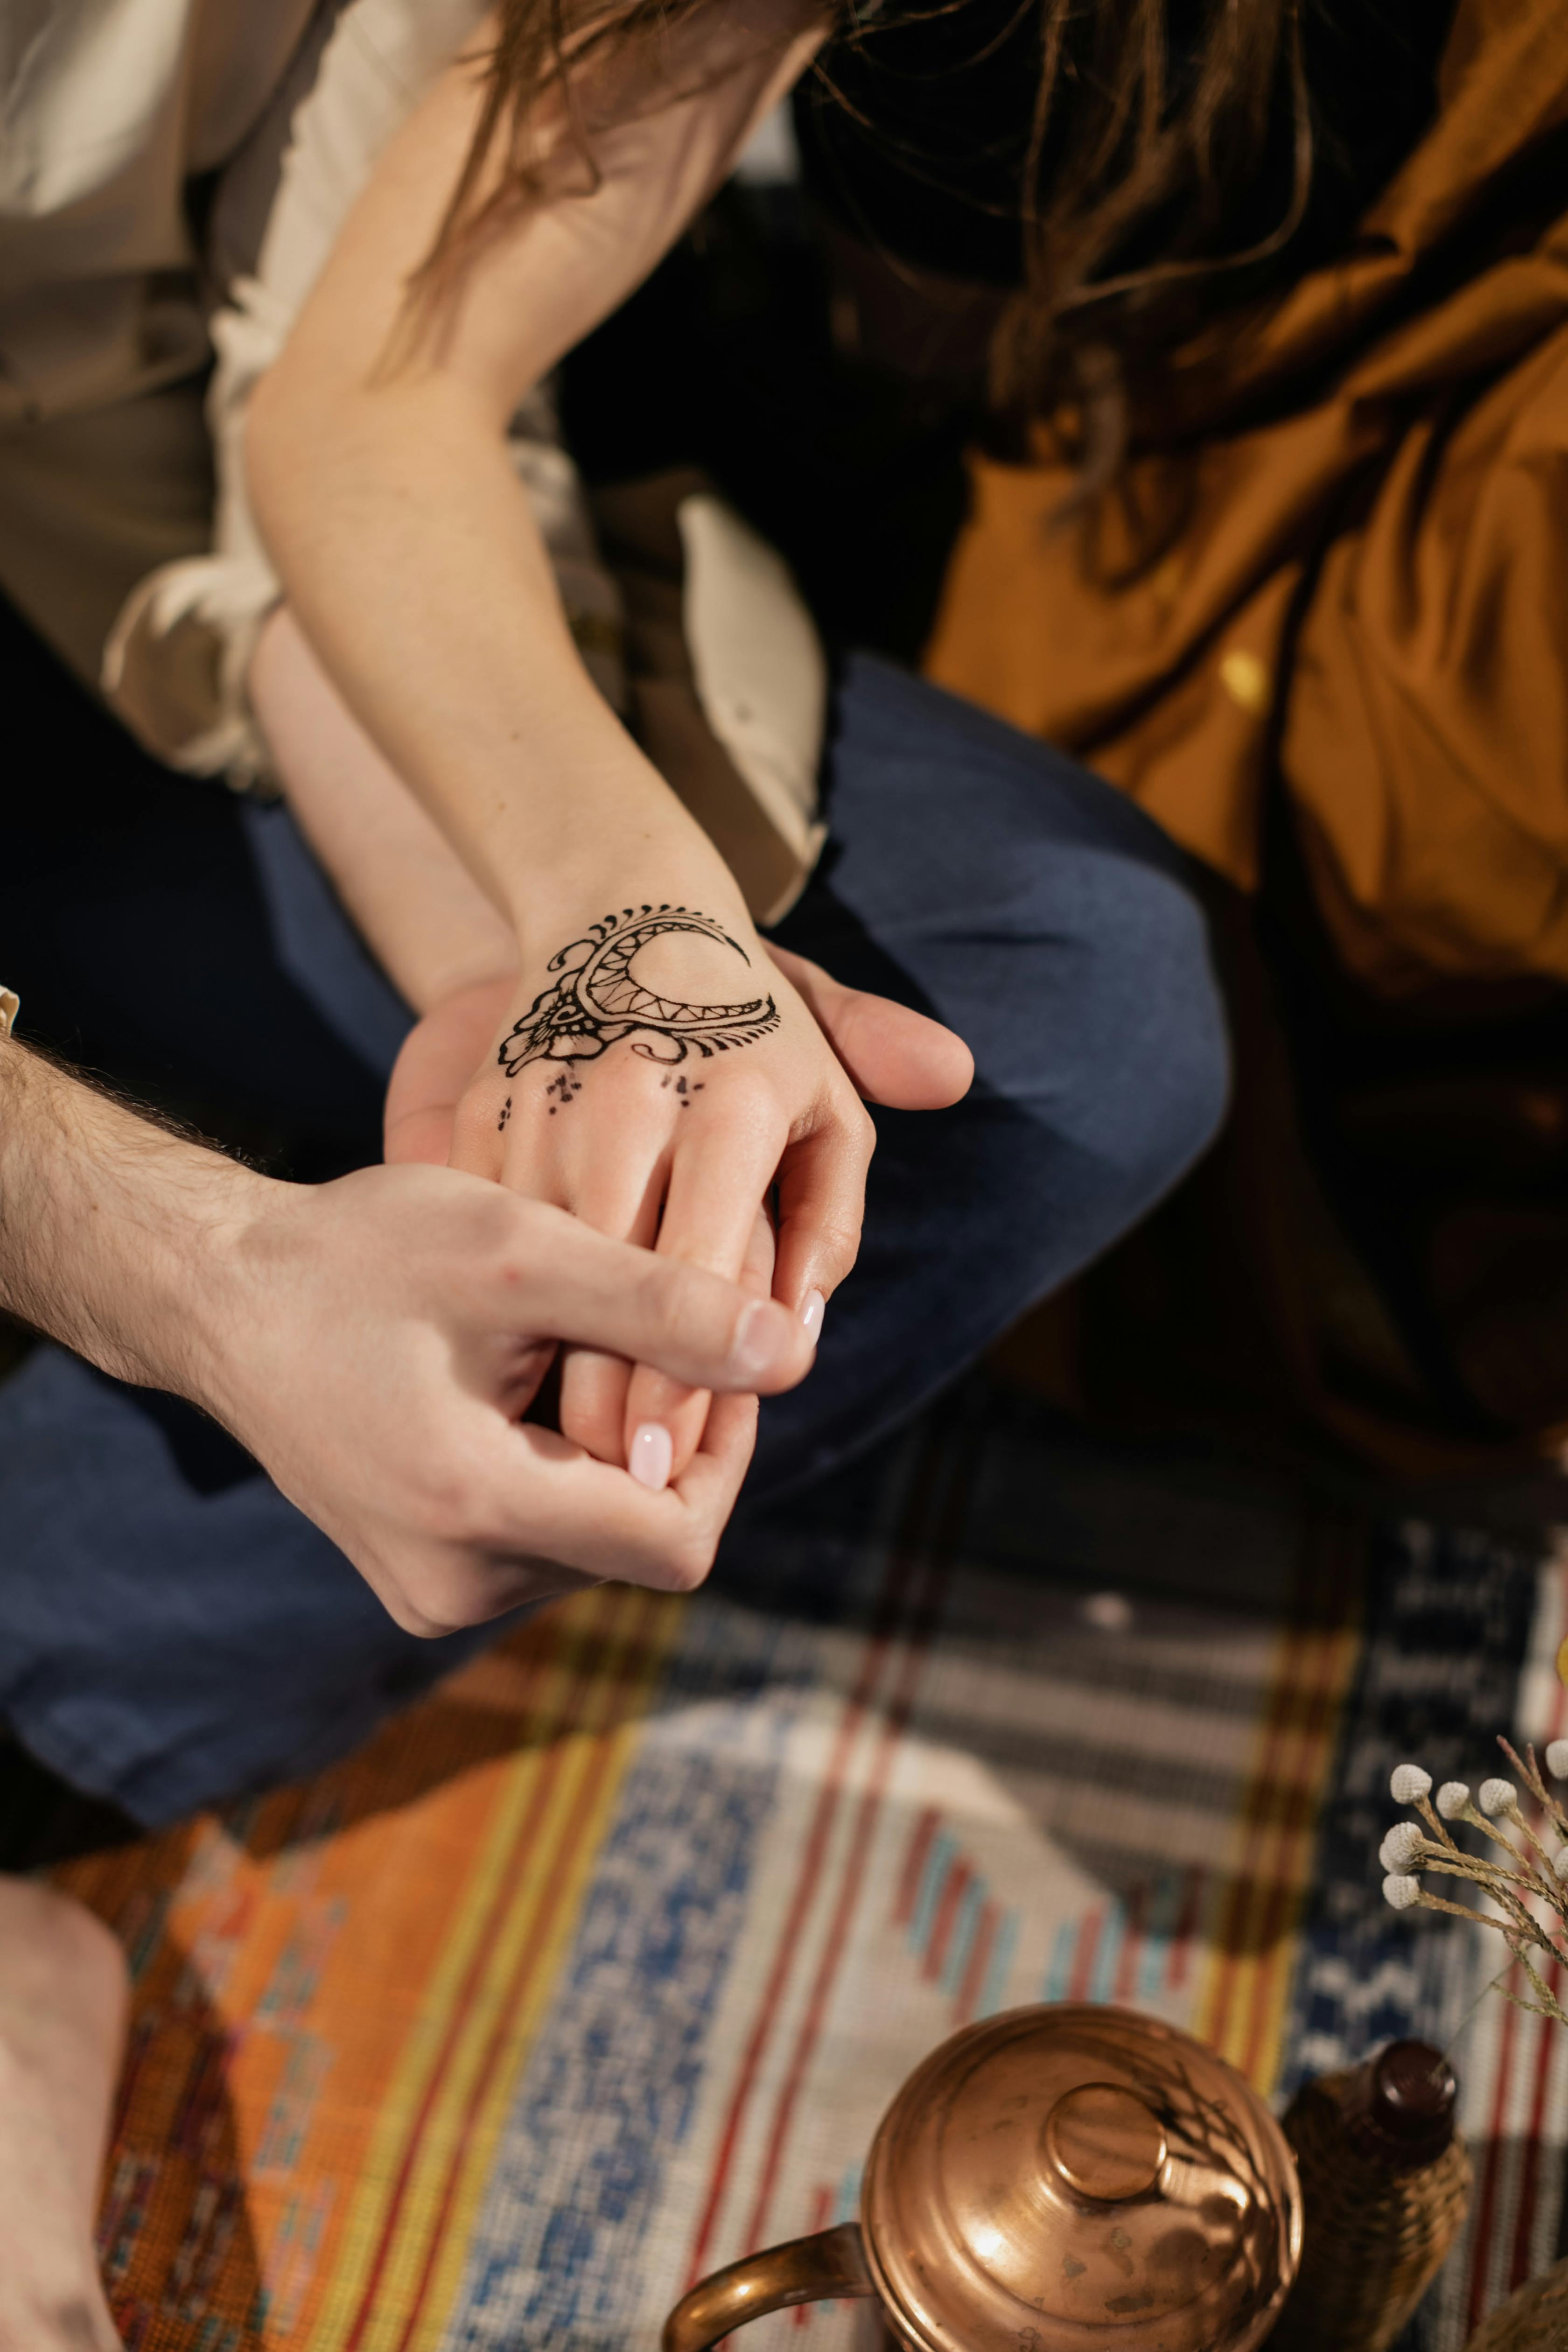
(762, 1249)
(567, 1282)
(552, 1500)
(892, 1056)
(712, 1481)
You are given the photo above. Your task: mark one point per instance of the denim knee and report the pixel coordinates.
(1159, 1064)
(1122, 1055)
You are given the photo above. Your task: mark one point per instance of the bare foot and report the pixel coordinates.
(62, 2019)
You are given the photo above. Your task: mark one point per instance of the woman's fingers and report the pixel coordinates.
(555, 1517)
(716, 1186)
(645, 1410)
(892, 1056)
(433, 1072)
(821, 1195)
(618, 1194)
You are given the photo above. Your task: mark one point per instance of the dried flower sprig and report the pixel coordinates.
(1530, 1889)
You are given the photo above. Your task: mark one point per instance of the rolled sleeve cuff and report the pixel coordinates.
(176, 661)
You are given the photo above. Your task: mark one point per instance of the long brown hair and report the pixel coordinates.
(1150, 196)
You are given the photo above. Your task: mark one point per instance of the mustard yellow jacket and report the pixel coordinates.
(1367, 594)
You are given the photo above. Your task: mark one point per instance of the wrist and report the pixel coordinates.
(622, 837)
(206, 1318)
(657, 868)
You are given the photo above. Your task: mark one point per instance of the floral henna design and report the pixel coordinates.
(598, 999)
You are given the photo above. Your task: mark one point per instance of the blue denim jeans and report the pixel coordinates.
(172, 1631)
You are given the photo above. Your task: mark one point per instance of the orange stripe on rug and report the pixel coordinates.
(338, 1987)
(535, 1951)
(444, 2105)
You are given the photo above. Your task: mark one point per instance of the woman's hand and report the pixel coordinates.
(659, 1078)
(683, 1169)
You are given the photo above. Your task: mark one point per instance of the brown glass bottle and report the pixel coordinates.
(1384, 2183)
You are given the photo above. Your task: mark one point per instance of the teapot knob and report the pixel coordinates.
(1105, 2142)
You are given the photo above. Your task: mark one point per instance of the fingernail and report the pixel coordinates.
(651, 1455)
(814, 1307)
(761, 1343)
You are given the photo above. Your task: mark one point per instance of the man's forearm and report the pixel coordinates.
(114, 1234)
(424, 918)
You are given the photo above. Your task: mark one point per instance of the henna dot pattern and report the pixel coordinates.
(564, 1086)
(505, 1115)
(598, 999)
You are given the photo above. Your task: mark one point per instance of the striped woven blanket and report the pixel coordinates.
(598, 1968)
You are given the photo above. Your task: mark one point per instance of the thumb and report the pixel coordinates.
(893, 1056)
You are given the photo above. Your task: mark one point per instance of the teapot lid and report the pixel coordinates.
(1071, 2175)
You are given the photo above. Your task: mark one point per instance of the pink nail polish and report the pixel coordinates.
(651, 1455)
(814, 1307)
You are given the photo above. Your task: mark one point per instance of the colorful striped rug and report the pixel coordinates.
(599, 1967)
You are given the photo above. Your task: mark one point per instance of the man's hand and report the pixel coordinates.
(375, 1342)
(402, 1322)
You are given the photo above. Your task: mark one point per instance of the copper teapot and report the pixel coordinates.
(1053, 2179)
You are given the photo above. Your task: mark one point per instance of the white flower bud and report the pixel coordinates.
(1557, 1759)
(1495, 1797)
(1401, 1846)
(1400, 1892)
(1560, 1863)
(1452, 1799)
(1409, 1783)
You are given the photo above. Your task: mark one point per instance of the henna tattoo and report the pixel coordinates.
(684, 1088)
(597, 1000)
(505, 1115)
(565, 1086)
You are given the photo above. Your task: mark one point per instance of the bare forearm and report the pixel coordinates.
(381, 480)
(415, 567)
(430, 926)
(114, 1236)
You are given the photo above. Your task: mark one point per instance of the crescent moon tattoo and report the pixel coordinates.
(598, 999)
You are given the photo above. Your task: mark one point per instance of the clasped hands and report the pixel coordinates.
(746, 1164)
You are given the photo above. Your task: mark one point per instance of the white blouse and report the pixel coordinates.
(109, 108)
(107, 113)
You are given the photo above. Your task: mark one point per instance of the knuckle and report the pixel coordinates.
(446, 1584)
(838, 1244)
(473, 1123)
(658, 1294)
(428, 1606)
(676, 1560)
(750, 1098)
(446, 1509)
(690, 1562)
